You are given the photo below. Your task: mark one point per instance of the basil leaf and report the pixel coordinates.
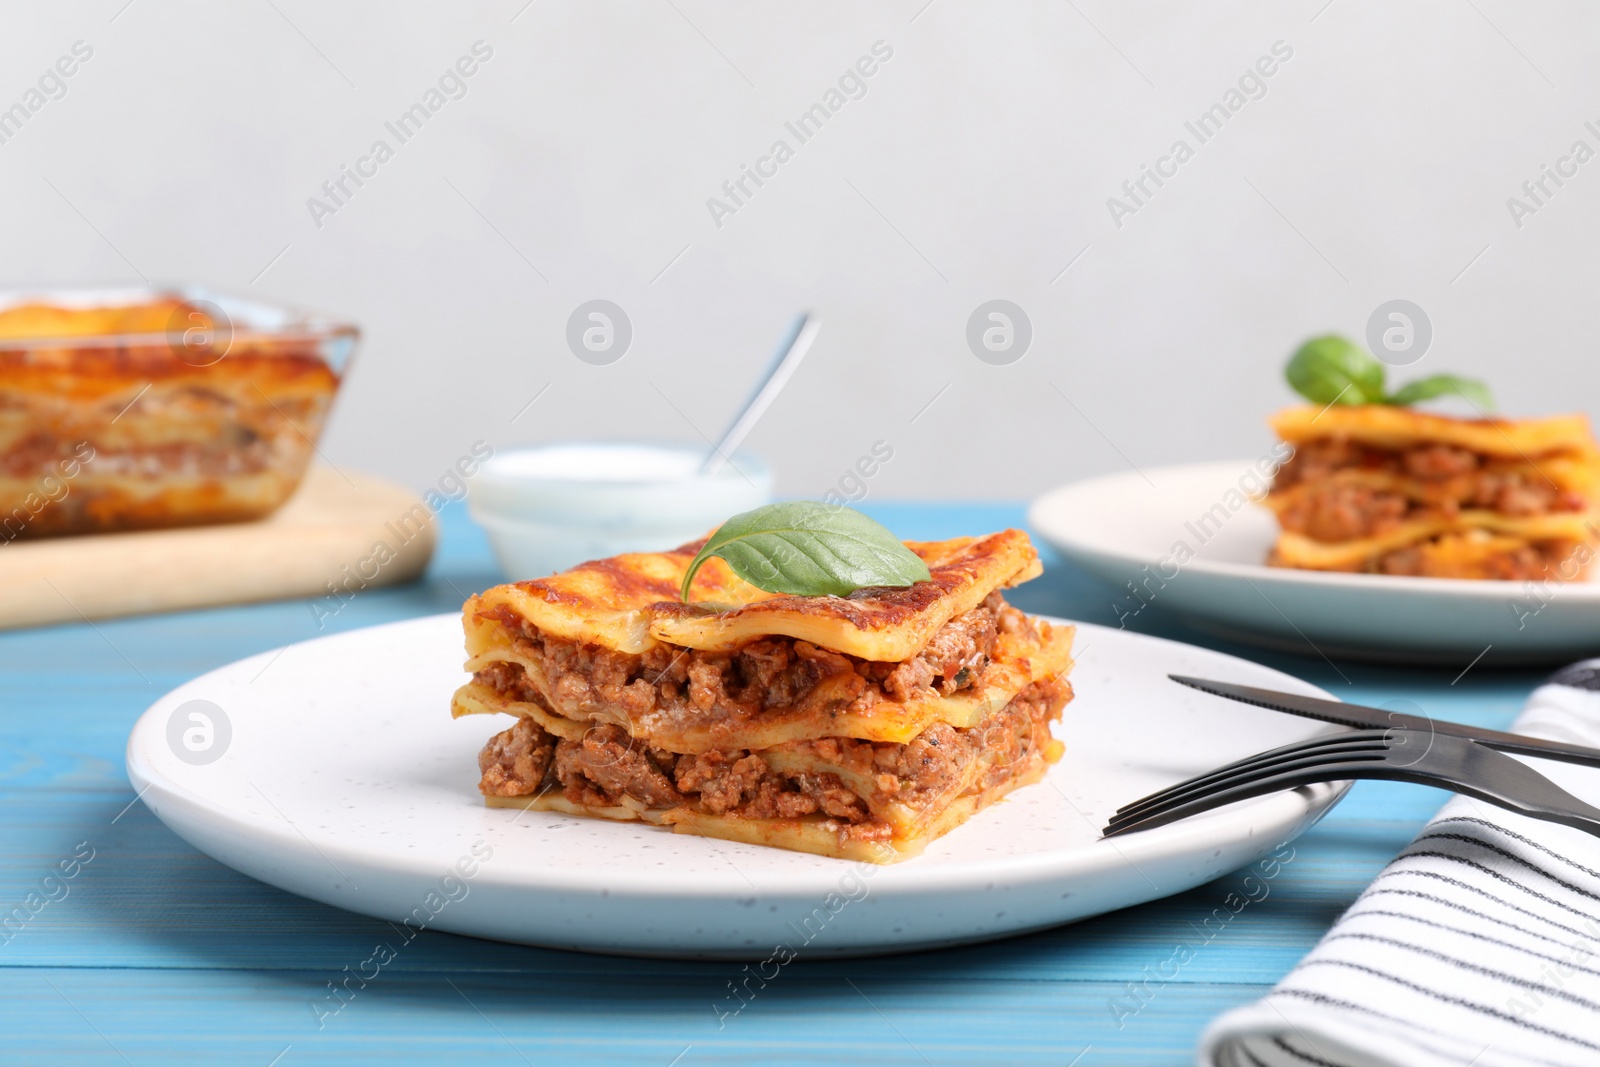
(810, 549)
(1332, 370)
(1474, 391)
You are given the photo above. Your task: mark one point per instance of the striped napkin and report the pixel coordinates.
(1479, 944)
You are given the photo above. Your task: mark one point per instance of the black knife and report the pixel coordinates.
(1364, 718)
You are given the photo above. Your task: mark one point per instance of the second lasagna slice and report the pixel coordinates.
(860, 727)
(1388, 490)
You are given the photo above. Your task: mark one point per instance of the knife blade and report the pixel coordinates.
(1364, 718)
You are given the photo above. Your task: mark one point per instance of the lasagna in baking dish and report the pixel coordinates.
(111, 419)
(1388, 490)
(860, 727)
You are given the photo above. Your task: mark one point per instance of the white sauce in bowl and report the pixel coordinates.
(546, 508)
(633, 463)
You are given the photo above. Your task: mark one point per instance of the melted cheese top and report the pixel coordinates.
(1390, 427)
(630, 603)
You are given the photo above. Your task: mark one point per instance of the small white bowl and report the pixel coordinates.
(551, 507)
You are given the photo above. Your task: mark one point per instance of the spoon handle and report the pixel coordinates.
(796, 341)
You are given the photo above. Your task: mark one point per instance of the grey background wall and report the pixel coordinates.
(977, 162)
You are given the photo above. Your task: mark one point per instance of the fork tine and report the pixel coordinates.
(1327, 772)
(1201, 800)
(1364, 748)
(1331, 744)
(1320, 743)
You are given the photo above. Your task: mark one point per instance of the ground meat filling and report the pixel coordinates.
(1344, 513)
(514, 763)
(605, 768)
(1448, 478)
(927, 770)
(606, 764)
(744, 783)
(728, 688)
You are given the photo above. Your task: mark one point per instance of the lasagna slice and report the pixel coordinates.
(1389, 490)
(860, 727)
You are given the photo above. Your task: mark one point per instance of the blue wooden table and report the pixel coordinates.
(156, 954)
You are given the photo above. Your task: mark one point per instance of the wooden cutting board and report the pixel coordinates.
(340, 533)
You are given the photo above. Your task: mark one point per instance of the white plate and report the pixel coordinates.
(345, 780)
(1135, 527)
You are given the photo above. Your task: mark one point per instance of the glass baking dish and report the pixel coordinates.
(134, 408)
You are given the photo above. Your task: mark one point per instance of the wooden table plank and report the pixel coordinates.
(157, 953)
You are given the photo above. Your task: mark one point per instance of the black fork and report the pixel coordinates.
(1400, 754)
